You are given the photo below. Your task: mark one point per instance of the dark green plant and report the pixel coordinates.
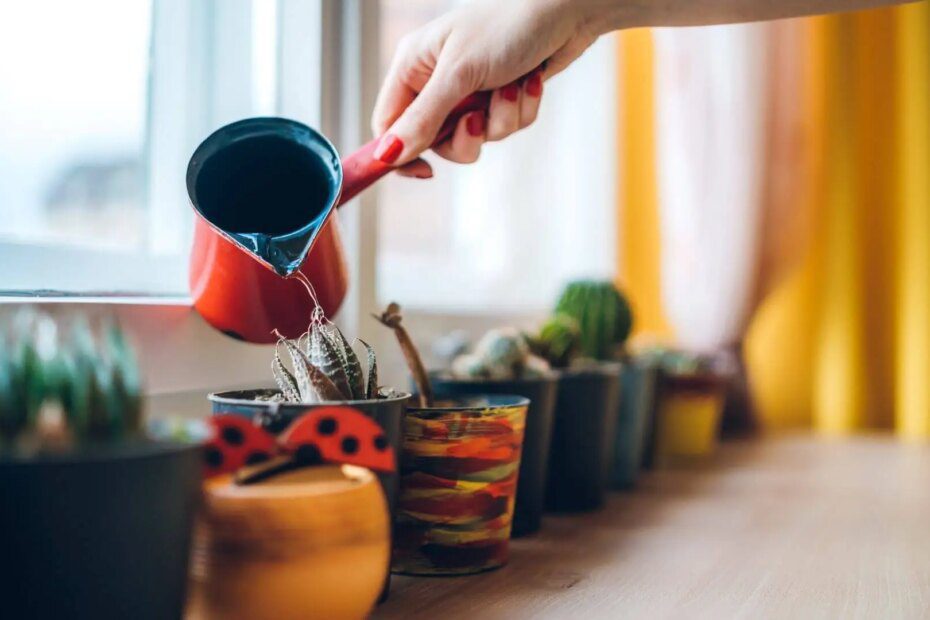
(94, 379)
(603, 315)
(558, 341)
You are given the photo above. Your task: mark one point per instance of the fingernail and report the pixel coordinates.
(510, 92)
(475, 124)
(534, 85)
(389, 149)
(424, 176)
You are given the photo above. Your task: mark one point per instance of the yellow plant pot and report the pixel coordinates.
(311, 543)
(688, 416)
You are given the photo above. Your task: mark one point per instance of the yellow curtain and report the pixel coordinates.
(841, 338)
(638, 217)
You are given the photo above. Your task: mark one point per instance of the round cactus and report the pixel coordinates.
(603, 315)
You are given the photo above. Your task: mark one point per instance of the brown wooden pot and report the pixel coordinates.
(311, 543)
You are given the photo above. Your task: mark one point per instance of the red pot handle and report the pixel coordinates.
(361, 169)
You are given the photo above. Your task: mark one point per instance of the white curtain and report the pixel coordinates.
(710, 107)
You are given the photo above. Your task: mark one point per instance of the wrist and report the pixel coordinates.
(602, 16)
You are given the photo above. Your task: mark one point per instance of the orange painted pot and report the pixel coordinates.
(458, 484)
(311, 543)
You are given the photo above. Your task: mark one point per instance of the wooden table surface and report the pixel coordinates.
(790, 527)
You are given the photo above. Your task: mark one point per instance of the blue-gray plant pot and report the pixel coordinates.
(637, 403)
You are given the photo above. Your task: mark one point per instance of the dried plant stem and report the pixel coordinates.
(392, 318)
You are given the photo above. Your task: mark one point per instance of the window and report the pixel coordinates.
(534, 211)
(100, 109)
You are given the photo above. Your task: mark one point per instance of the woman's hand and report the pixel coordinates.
(510, 46)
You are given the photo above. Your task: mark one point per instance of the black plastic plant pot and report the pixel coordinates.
(277, 416)
(637, 404)
(583, 438)
(100, 533)
(534, 463)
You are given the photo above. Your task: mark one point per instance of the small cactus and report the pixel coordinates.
(603, 315)
(502, 353)
(558, 340)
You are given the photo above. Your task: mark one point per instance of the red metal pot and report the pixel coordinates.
(265, 190)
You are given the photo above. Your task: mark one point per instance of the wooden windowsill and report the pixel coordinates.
(783, 527)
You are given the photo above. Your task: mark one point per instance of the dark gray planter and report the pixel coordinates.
(634, 422)
(583, 438)
(100, 533)
(534, 463)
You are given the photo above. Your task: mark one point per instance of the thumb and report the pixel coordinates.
(416, 128)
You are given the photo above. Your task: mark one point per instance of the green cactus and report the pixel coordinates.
(558, 340)
(603, 315)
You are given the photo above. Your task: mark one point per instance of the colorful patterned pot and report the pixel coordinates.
(310, 543)
(459, 470)
(583, 437)
(637, 402)
(534, 462)
(688, 416)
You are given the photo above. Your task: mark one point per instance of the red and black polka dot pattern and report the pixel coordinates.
(327, 435)
(235, 443)
(339, 435)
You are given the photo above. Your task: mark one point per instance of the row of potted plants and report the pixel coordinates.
(522, 424)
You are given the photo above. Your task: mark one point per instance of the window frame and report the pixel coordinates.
(179, 353)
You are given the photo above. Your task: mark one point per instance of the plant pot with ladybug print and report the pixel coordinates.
(294, 525)
(259, 407)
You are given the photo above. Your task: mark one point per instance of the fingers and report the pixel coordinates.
(405, 78)
(465, 145)
(416, 128)
(417, 169)
(515, 106)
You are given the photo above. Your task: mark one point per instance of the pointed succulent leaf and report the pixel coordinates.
(323, 386)
(371, 391)
(352, 367)
(301, 371)
(285, 380)
(324, 354)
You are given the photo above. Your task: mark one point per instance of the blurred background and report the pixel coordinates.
(760, 188)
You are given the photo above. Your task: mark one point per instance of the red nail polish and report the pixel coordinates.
(389, 149)
(510, 92)
(534, 85)
(475, 124)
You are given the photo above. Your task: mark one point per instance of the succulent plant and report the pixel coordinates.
(94, 379)
(324, 367)
(558, 341)
(502, 353)
(603, 315)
